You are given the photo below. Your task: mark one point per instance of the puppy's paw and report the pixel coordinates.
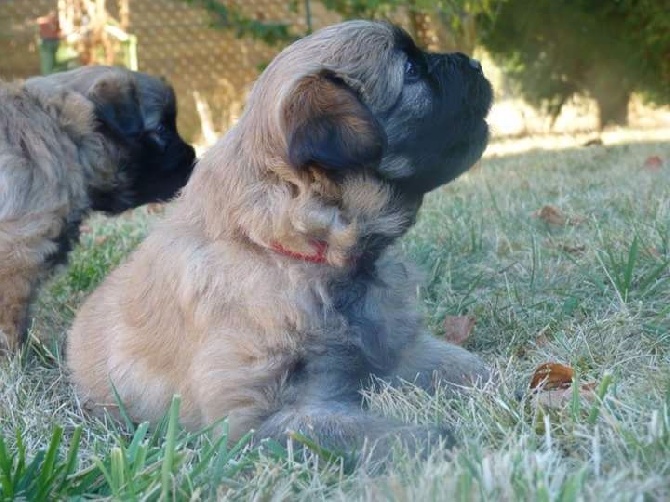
(464, 369)
(430, 363)
(411, 441)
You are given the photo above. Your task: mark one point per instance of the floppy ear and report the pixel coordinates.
(117, 105)
(328, 126)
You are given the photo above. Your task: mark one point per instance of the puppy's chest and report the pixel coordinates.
(363, 326)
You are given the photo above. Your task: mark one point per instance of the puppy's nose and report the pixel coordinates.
(474, 63)
(464, 59)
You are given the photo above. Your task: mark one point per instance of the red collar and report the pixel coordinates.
(319, 255)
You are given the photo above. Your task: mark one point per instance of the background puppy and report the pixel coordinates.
(95, 138)
(269, 294)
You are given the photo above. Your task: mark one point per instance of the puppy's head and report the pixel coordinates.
(343, 134)
(361, 95)
(136, 113)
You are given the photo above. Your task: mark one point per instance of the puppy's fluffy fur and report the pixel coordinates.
(269, 295)
(96, 138)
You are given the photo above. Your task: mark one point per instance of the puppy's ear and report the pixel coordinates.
(117, 105)
(328, 126)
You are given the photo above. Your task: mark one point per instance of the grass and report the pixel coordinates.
(593, 294)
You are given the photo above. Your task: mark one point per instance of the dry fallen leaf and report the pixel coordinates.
(652, 252)
(553, 386)
(554, 216)
(457, 329)
(560, 398)
(653, 164)
(549, 376)
(572, 248)
(551, 215)
(566, 247)
(100, 239)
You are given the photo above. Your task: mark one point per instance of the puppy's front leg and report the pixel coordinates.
(429, 360)
(349, 430)
(15, 294)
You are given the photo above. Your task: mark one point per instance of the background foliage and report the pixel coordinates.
(550, 50)
(553, 49)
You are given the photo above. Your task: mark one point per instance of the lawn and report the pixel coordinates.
(584, 282)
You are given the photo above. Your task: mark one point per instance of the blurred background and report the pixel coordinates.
(559, 66)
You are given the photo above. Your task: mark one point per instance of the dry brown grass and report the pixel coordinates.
(593, 295)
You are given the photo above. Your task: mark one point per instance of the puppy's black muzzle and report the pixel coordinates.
(164, 175)
(457, 74)
(454, 136)
(457, 58)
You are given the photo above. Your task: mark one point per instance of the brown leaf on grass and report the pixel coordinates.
(551, 215)
(566, 247)
(552, 376)
(552, 384)
(560, 398)
(457, 329)
(572, 248)
(653, 164)
(554, 216)
(100, 239)
(652, 252)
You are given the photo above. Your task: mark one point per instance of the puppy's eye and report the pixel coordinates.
(412, 73)
(159, 136)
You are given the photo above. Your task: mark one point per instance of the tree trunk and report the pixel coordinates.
(613, 108)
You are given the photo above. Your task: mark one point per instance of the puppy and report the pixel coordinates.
(269, 295)
(95, 138)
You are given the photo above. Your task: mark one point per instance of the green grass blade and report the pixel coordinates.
(648, 281)
(604, 385)
(109, 481)
(127, 421)
(224, 458)
(49, 469)
(169, 448)
(575, 398)
(629, 268)
(327, 455)
(135, 445)
(73, 451)
(6, 471)
(117, 470)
